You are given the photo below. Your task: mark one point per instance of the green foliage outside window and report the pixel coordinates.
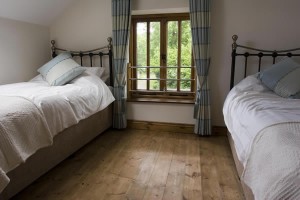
(172, 54)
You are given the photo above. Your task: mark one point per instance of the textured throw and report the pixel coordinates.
(272, 170)
(23, 130)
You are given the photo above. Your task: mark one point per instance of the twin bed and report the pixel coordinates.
(262, 114)
(43, 124)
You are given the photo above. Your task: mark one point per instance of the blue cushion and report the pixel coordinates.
(282, 77)
(60, 70)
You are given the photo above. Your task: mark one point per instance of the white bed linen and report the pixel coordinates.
(272, 170)
(64, 106)
(61, 106)
(23, 130)
(251, 107)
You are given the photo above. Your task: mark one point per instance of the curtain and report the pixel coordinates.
(121, 18)
(200, 26)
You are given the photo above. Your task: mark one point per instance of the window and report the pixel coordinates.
(161, 58)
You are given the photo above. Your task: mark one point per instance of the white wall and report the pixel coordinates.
(24, 47)
(158, 4)
(86, 24)
(265, 24)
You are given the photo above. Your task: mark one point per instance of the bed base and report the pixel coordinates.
(240, 168)
(64, 144)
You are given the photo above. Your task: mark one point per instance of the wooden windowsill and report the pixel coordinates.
(161, 100)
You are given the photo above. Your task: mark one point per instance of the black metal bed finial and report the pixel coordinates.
(109, 46)
(234, 44)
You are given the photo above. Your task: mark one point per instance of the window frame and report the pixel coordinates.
(161, 95)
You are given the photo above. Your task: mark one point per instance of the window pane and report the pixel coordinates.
(186, 55)
(154, 44)
(141, 74)
(186, 44)
(172, 74)
(154, 74)
(154, 85)
(172, 46)
(172, 54)
(171, 85)
(141, 47)
(185, 74)
(185, 85)
(154, 55)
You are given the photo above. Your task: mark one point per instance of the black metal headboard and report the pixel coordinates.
(259, 53)
(102, 51)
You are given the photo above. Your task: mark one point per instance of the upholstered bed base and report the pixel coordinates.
(65, 143)
(239, 166)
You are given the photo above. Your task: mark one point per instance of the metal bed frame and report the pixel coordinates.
(260, 53)
(102, 51)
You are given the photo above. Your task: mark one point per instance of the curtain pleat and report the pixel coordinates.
(200, 27)
(121, 19)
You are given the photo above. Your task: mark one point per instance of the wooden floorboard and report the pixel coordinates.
(140, 165)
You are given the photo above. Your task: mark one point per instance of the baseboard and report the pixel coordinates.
(171, 127)
(160, 126)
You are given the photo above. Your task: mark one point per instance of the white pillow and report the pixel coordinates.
(98, 71)
(60, 70)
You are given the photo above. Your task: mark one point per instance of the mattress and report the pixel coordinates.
(59, 107)
(251, 107)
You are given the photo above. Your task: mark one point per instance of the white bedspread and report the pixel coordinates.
(23, 130)
(59, 107)
(273, 167)
(251, 107)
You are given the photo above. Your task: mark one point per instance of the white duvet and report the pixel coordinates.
(47, 110)
(250, 107)
(266, 132)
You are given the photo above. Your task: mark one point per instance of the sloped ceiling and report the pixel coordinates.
(42, 12)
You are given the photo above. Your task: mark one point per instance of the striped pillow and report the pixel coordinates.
(60, 70)
(283, 78)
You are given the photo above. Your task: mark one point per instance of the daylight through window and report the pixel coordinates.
(161, 57)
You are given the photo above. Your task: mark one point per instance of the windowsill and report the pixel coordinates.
(162, 100)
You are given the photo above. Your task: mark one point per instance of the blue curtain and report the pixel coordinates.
(121, 18)
(200, 25)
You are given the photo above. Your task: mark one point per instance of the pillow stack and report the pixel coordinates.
(283, 78)
(60, 70)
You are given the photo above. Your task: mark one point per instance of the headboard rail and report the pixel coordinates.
(102, 51)
(255, 52)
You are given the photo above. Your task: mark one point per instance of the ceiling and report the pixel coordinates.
(42, 12)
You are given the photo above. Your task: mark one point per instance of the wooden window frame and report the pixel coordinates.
(160, 95)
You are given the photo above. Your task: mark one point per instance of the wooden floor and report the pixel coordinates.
(139, 164)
